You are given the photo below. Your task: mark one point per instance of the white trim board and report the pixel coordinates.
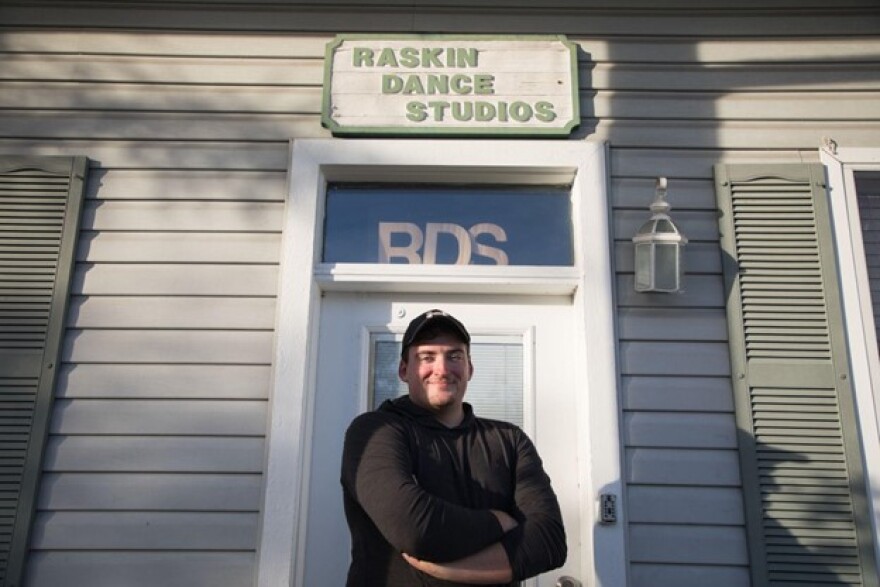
(314, 163)
(859, 320)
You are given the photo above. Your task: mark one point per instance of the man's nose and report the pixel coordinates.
(441, 365)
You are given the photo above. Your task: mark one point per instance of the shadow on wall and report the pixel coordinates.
(666, 111)
(803, 516)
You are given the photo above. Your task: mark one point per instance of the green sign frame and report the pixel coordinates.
(479, 83)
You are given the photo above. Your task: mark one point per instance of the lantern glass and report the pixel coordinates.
(663, 226)
(644, 267)
(658, 267)
(667, 274)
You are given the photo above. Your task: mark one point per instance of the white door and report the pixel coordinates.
(522, 346)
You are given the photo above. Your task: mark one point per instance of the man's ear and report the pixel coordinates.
(471, 365)
(401, 369)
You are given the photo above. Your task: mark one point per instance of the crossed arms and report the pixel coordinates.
(488, 566)
(441, 538)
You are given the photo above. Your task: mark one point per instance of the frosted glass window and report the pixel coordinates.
(496, 390)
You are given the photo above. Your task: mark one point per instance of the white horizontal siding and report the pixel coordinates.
(156, 443)
(839, 48)
(736, 78)
(177, 247)
(213, 279)
(682, 467)
(190, 184)
(686, 164)
(126, 152)
(685, 508)
(158, 417)
(685, 505)
(664, 358)
(211, 97)
(700, 291)
(775, 135)
(705, 324)
(680, 544)
(613, 65)
(636, 193)
(168, 346)
(188, 312)
(177, 215)
(724, 98)
(160, 454)
(144, 531)
(140, 568)
(627, 133)
(163, 69)
(679, 393)
(679, 430)
(687, 21)
(162, 396)
(242, 156)
(102, 380)
(153, 491)
(157, 126)
(679, 575)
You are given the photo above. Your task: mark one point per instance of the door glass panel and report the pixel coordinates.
(868, 188)
(495, 391)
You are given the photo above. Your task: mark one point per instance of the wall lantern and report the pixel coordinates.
(658, 249)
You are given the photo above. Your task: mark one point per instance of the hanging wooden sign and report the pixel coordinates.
(422, 85)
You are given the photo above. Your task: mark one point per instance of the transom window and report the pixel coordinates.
(437, 225)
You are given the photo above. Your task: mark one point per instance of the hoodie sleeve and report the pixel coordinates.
(378, 474)
(537, 544)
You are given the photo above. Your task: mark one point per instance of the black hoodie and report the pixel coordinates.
(412, 485)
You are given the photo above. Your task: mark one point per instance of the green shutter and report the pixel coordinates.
(40, 202)
(806, 511)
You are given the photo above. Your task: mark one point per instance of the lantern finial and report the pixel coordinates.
(660, 205)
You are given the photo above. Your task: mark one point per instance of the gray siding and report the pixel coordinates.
(154, 466)
(153, 471)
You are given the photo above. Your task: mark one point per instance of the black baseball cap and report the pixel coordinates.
(432, 318)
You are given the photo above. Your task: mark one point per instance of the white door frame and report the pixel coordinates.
(315, 163)
(841, 163)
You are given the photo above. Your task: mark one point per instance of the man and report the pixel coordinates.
(436, 496)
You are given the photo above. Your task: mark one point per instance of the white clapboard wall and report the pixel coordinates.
(153, 471)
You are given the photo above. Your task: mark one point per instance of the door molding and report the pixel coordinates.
(841, 165)
(317, 162)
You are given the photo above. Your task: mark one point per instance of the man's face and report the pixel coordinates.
(437, 372)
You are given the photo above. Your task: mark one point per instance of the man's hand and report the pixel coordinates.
(488, 567)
